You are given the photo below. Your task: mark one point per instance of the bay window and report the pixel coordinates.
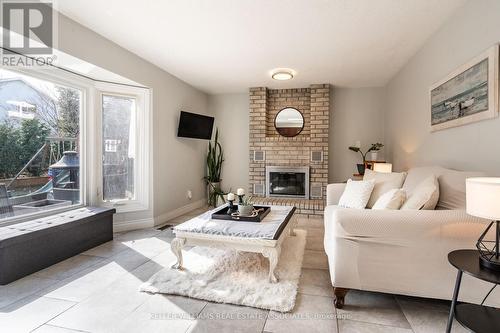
(68, 141)
(40, 143)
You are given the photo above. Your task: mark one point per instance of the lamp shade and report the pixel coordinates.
(382, 167)
(483, 197)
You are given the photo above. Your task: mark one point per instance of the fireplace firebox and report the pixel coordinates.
(292, 182)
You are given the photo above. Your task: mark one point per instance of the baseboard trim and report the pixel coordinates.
(163, 218)
(133, 225)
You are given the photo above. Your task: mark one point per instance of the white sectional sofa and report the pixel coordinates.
(404, 251)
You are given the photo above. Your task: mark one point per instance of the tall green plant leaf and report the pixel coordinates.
(215, 158)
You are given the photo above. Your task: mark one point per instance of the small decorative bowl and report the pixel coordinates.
(245, 210)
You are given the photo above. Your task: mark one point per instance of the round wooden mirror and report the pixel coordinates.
(289, 122)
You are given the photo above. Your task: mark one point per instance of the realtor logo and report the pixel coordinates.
(28, 27)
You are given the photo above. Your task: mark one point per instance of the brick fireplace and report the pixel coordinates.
(308, 149)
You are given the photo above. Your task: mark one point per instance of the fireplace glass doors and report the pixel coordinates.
(287, 182)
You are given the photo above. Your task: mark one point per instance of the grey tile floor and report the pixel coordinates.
(96, 291)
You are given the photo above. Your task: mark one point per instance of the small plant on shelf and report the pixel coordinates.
(375, 147)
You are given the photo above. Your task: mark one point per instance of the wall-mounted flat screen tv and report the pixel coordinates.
(196, 126)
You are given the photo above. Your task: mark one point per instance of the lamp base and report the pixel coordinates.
(493, 263)
(489, 249)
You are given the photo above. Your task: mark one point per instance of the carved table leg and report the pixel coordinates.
(339, 297)
(273, 254)
(176, 247)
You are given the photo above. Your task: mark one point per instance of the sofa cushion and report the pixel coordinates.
(451, 184)
(356, 194)
(384, 182)
(393, 199)
(452, 188)
(417, 175)
(424, 196)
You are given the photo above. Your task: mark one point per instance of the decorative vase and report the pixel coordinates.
(212, 197)
(374, 155)
(361, 168)
(245, 210)
(220, 201)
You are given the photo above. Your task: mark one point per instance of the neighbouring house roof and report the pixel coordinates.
(27, 83)
(18, 92)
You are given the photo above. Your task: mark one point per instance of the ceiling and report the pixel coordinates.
(226, 46)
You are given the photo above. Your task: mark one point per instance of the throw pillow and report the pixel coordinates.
(417, 175)
(425, 196)
(383, 183)
(356, 194)
(391, 200)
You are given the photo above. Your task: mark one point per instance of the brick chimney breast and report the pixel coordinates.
(314, 104)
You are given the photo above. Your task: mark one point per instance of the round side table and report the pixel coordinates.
(477, 318)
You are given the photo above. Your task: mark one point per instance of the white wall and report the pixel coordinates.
(474, 28)
(357, 114)
(231, 117)
(178, 164)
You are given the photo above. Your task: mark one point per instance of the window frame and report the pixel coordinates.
(85, 87)
(142, 163)
(92, 144)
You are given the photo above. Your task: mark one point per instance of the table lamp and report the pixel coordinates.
(382, 167)
(483, 200)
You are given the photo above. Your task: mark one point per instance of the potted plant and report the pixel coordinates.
(215, 195)
(375, 147)
(215, 157)
(245, 206)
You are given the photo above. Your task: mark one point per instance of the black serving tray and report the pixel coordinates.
(222, 214)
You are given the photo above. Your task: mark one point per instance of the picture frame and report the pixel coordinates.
(468, 94)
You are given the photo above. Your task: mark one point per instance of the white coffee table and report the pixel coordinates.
(263, 237)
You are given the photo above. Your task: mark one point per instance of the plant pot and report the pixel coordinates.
(245, 210)
(361, 169)
(374, 155)
(220, 201)
(211, 189)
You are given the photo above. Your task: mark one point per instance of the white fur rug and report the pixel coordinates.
(241, 278)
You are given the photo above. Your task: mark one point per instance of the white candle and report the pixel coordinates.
(240, 191)
(230, 196)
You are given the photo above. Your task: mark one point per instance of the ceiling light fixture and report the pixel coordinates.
(282, 75)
